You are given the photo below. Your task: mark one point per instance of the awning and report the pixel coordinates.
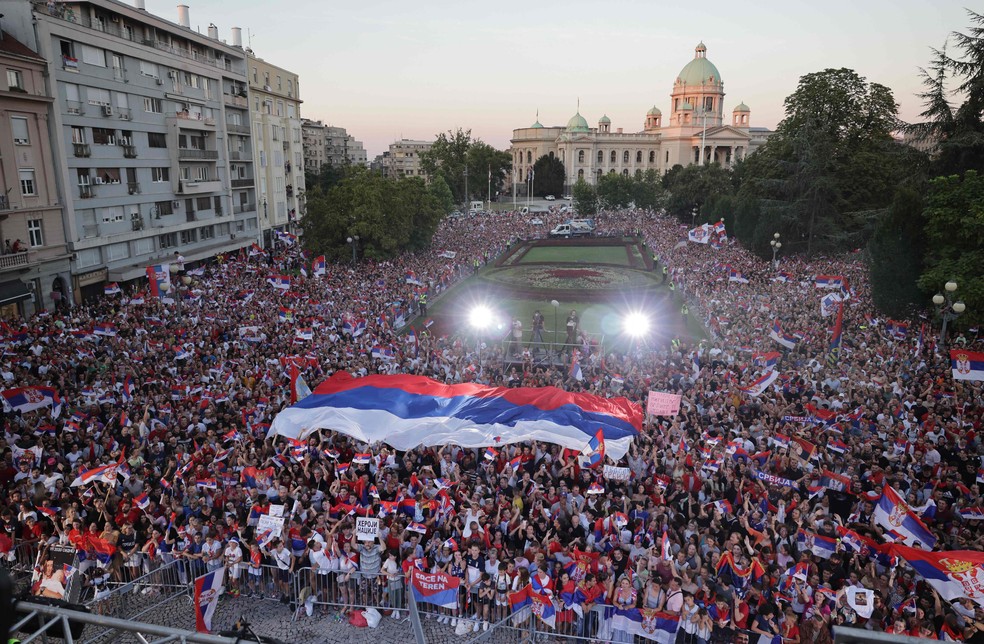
(13, 291)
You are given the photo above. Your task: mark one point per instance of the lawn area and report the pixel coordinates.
(579, 255)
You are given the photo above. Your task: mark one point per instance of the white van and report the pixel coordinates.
(477, 206)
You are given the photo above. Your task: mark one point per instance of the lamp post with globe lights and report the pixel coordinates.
(776, 245)
(556, 305)
(354, 242)
(949, 309)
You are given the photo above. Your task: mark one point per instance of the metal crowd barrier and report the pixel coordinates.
(333, 590)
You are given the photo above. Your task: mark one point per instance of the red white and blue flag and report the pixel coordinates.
(737, 276)
(953, 574)
(435, 588)
(831, 281)
(318, 266)
(159, 276)
(208, 589)
(25, 399)
(818, 544)
(894, 515)
(647, 623)
(967, 365)
(407, 411)
(783, 338)
(760, 384)
(112, 289)
(594, 452)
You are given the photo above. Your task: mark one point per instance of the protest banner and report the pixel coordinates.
(366, 528)
(663, 404)
(617, 473)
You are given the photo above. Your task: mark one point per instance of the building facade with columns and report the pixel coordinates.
(696, 130)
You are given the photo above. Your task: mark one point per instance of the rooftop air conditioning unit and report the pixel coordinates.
(175, 204)
(159, 81)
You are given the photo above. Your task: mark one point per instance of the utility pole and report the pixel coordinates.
(466, 189)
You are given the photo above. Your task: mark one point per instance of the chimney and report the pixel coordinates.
(213, 31)
(184, 19)
(237, 37)
(140, 4)
(619, 130)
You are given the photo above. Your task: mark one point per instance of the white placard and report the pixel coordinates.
(366, 528)
(617, 473)
(268, 528)
(276, 510)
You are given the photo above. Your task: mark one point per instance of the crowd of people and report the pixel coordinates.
(175, 396)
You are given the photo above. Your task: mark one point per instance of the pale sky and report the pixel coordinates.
(387, 69)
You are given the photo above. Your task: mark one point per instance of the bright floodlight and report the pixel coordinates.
(480, 317)
(636, 324)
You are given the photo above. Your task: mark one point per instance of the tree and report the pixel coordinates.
(954, 229)
(585, 198)
(690, 187)
(615, 191)
(895, 256)
(485, 165)
(548, 176)
(324, 180)
(647, 190)
(448, 157)
(442, 193)
(388, 215)
(831, 168)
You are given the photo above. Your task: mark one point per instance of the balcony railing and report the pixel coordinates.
(243, 207)
(235, 128)
(236, 155)
(193, 153)
(86, 192)
(133, 187)
(13, 260)
(130, 151)
(81, 149)
(243, 183)
(235, 100)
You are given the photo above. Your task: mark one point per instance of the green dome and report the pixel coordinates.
(578, 124)
(605, 119)
(742, 108)
(537, 125)
(654, 112)
(699, 70)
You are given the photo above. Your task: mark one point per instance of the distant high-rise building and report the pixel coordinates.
(313, 140)
(403, 159)
(327, 144)
(278, 156)
(147, 117)
(35, 272)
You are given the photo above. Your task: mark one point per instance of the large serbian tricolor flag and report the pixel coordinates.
(953, 574)
(967, 365)
(407, 411)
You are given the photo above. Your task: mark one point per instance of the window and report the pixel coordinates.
(153, 105)
(88, 257)
(580, 156)
(625, 156)
(28, 188)
(117, 60)
(117, 251)
(102, 136)
(156, 140)
(254, 74)
(580, 174)
(122, 101)
(160, 175)
(201, 173)
(162, 208)
(203, 203)
(280, 108)
(72, 93)
(18, 127)
(709, 103)
(170, 240)
(185, 173)
(35, 232)
(208, 232)
(601, 156)
(143, 246)
(625, 172)
(290, 86)
(112, 214)
(126, 137)
(274, 133)
(639, 156)
(15, 80)
(93, 56)
(667, 157)
(107, 176)
(96, 96)
(291, 111)
(78, 135)
(262, 159)
(149, 69)
(189, 236)
(652, 156)
(613, 156)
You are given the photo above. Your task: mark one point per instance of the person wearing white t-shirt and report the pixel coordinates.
(233, 557)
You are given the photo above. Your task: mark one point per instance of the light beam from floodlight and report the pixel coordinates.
(636, 324)
(480, 317)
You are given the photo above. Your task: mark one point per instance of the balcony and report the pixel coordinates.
(14, 260)
(192, 120)
(243, 207)
(236, 155)
(86, 191)
(4, 203)
(286, 145)
(243, 183)
(82, 150)
(124, 113)
(129, 151)
(235, 100)
(233, 128)
(199, 187)
(133, 187)
(198, 155)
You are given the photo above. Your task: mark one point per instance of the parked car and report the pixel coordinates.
(535, 221)
(568, 197)
(550, 198)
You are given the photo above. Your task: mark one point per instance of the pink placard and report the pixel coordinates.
(663, 404)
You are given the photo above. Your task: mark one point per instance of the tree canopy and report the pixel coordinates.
(548, 176)
(455, 151)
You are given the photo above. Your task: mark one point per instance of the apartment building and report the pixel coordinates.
(313, 142)
(35, 273)
(278, 154)
(146, 117)
(403, 159)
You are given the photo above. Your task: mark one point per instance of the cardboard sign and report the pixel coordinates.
(663, 404)
(276, 510)
(268, 528)
(366, 528)
(617, 473)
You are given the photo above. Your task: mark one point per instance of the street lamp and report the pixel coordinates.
(480, 318)
(354, 241)
(949, 310)
(556, 305)
(776, 245)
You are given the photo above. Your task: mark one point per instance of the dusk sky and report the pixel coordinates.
(387, 70)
